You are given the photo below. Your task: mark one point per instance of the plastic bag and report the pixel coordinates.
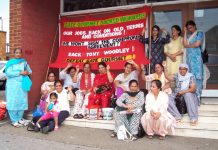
(37, 112)
(2, 109)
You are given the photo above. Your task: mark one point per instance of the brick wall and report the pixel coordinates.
(33, 24)
(2, 45)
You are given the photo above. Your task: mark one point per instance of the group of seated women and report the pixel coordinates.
(87, 89)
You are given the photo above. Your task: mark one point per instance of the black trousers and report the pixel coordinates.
(50, 122)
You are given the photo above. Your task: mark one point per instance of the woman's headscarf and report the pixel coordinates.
(185, 80)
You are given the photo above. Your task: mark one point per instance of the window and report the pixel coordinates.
(206, 20)
(166, 19)
(75, 5)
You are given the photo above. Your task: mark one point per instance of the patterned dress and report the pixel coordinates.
(157, 52)
(130, 121)
(193, 56)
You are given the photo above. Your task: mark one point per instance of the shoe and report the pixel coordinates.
(16, 124)
(113, 134)
(80, 116)
(36, 129)
(76, 116)
(161, 137)
(23, 122)
(45, 130)
(30, 125)
(150, 136)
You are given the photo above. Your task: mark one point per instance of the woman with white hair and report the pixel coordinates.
(186, 87)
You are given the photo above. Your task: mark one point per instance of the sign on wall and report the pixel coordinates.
(111, 37)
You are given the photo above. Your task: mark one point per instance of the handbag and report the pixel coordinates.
(102, 88)
(180, 104)
(205, 56)
(141, 131)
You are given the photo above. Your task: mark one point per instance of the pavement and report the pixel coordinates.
(76, 138)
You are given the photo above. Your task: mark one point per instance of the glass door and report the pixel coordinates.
(206, 21)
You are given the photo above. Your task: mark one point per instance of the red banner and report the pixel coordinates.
(112, 37)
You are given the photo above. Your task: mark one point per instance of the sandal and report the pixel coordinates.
(161, 137)
(76, 116)
(80, 116)
(193, 122)
(16, 125)
(178, 120)
(150, 136)
(113, 134)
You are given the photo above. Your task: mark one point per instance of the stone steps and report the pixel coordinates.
(207, 126)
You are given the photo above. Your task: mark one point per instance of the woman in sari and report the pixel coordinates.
(157, 120)
(85, 80)
(17, 86)
(193, 42)
(174, 50)
(157, 43)
(129, 109)
(103, 87)
(158, 75)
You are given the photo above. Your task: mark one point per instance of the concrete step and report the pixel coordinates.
(208, 134)
(100, 124)
(209, 101)
(208, 107)
(201, 119)
(208, 113)
(199, 126)
(202, 130)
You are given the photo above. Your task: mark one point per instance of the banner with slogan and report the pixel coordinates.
(112, 37)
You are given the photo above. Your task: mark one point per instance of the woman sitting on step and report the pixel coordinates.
(129, 109)
(157, 120)
(186, 87)
(85, 80)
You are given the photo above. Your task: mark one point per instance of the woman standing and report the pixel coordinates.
(157, 43)
(157, 120)
(85, 80)
(193, 41)
(103, 87)
(131, 103)
(17, 86)
(174, 50)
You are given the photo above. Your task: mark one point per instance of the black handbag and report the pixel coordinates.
(141, 131)
(102, 88)
(180, 104)
(205, 56)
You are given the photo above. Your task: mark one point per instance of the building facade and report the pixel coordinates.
(34, 28)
